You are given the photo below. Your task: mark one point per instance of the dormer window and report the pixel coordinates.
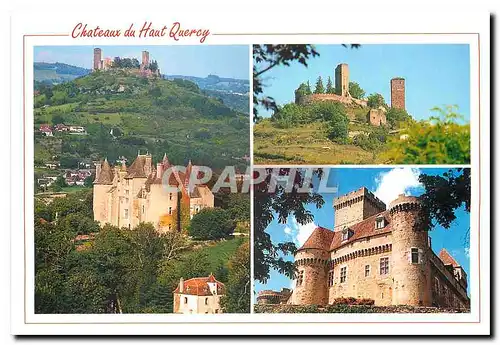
(379, 223)
(346, 233)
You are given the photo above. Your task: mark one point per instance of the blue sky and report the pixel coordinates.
(198, 60)
(387, 184)
(436, 74)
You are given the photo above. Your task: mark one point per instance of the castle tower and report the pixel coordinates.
(311, 261)
(102, 183)
(342, 80)
(353, 207)
(398, 93)
(145, 59)
(97, 58)
(410, 267)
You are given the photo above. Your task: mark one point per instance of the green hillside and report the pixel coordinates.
(143, 114)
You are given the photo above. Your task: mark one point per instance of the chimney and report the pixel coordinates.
(181, 285)
(159, 170)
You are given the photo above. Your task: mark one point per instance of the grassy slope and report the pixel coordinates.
(222, 251)
(303, 144)
(172, 118)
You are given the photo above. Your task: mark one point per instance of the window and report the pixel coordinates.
(436, 285)
(206, 301)
(300, 278)
(143, 209)
(217, 311)
(343, 274)
(170, 196)
(126, 200)
(185, 299)
(170, 210)
(125, 213)
(367, 270)
(127, 192)
(415, 256)
(384, 265)
(345, 236)
(380, 223)
(128, 182)
(330, 278)
(169, 226)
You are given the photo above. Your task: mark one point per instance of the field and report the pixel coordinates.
(305, 144)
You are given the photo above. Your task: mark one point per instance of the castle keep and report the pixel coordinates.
(398, 93)
(126, 196)
(100, 63)
(377, 253)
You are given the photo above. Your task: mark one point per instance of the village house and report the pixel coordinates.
(199, 296)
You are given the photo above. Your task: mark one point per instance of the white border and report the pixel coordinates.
(467, 23)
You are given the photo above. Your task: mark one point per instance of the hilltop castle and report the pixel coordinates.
(105, 64)
(377, 253)
(375, 117)
(126, 196)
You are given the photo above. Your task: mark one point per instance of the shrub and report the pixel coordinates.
(211, 224)
(440, 140)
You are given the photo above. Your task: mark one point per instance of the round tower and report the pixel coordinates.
(311, 261)
(410, 253)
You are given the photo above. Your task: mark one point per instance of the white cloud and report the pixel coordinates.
(298, 233)
(396, 181)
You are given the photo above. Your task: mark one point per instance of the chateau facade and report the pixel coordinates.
(199, 296)
(126, 196)
(377, 253)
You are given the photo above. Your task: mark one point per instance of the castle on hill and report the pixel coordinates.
(126, 196)
(104, 64)
(377, 253)
(375, 117)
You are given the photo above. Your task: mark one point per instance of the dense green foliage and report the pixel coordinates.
(373, 141)
(356, 91)
(238, 292)
(440, 140)
(329, 86)
(376, 100)
(211, 224)
(119, 270)
(152, 115)
(397, 117)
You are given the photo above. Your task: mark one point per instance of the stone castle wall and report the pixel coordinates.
(376, 117)
(325, 97)
(313, 264)
(398, 93)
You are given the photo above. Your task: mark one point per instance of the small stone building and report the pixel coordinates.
(376, 117)
(377, 253)
(199, 296)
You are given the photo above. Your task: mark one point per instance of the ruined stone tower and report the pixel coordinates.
(97, 59)
(312, 261)
(145, 59)
(398, 93)
(353, 207)
(342, 80)
(410, 253)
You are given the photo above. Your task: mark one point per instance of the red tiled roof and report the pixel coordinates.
(363, 229)
(319, 239)
(199, 286)
(447, 259)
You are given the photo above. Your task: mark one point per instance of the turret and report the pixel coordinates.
(410, 253)
(311, 261)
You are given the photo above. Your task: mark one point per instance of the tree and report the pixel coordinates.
(267, 57)
(211, 224)
(319, 88)
(376, 100)
(329, 86)
(444, 194)
(440, 140)
(57, 119)
(396, 117)
(238, 287)
(356, 91)
(59, 183)
(278, 203)
(153, 66)
(302, 90)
